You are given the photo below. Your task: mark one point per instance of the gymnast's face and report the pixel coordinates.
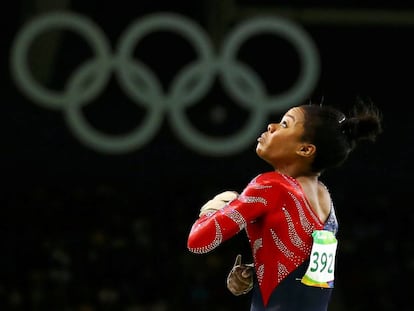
(282, 144)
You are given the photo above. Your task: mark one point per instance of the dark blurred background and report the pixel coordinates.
(88, 227)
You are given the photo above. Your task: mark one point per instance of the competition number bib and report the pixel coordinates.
(320, 272)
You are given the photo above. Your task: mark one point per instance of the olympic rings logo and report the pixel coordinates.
(80, 89)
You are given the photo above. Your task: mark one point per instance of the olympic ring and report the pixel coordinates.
(200, 75)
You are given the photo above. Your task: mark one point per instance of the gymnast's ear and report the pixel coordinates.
(306, 150)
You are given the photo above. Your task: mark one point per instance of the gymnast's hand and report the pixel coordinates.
(240, 278)
(218, 202)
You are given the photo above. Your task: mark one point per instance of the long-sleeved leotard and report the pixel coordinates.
(278, 221)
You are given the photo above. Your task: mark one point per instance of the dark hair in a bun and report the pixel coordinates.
(335, 135)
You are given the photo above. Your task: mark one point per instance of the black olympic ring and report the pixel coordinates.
(202, 73)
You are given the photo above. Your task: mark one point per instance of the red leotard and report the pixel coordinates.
(278, 221)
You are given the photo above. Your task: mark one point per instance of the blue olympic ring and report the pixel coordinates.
(200, 75)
